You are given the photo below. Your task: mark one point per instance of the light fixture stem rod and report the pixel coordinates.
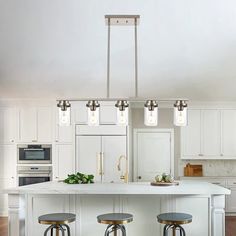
(108, 57)
(136, 56)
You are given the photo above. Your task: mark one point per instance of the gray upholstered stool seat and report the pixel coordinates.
(57, 221)
(174, 220)
(115, 222)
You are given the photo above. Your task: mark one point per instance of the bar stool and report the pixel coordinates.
(115, 222)
(174, 221)
(57, 221)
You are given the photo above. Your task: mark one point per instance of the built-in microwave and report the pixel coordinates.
(34, 154)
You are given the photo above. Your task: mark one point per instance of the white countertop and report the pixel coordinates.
(184, 187)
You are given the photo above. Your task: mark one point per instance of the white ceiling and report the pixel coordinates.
(57, 49)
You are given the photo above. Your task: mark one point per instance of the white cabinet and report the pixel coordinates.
(63, 162)
(99, 155)
(191, 135)
(64, 134)
(8, 125)
(228, 133)
(8, 161)
(44, 124)
(28, 124)
(210, 134)
(231, 201)
(35, 124)
(210, 139)
(7, 173)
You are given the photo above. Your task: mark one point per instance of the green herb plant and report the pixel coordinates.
(79, 178)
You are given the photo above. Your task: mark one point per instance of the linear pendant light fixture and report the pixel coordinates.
(122, 105)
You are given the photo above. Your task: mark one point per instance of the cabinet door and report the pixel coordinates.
(228, 121)
(88, 154)
(231, 201)
(8, 161)
(65, 161)
(191, 135)
(113, 147)
(28, 124)
(152, 153)
(8, 125)
(5, 183)
(211, 132)
(44, 124)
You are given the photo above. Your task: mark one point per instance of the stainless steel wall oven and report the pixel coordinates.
(34, 154)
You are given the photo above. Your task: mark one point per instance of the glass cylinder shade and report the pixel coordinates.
(180, 116)
(64, 117)
(151, 116)
(93, 117)
(122, 116)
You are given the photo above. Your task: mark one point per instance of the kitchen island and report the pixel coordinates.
(205, 201)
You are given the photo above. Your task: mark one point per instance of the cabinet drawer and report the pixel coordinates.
(218, 182)
(231, 183)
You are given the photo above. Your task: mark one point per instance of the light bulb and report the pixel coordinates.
(151, 116)
(122, 116)
(93, 117)
(180, 113)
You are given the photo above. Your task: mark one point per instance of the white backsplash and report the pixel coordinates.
(211, 167)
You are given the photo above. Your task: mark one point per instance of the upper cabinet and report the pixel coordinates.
(228, 133)
(210, 134)
(35, 124)
(8, 125)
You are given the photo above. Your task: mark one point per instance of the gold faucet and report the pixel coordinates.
(125, 176)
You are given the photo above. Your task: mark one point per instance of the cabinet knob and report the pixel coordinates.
(221, 155)
(201, 155)
(13, 177)
(12, 141)
(34, 141)
(56, 141)
(139, 177)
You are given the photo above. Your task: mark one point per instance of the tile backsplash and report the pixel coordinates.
(211, 167)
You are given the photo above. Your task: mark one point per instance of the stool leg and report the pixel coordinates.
(47, 230)
(123, 230)
(68, 229)
(108, 230)
(57, 231)
(182, 230)
(51, 231)
(165, 230)
(174, 231)
(62, 230)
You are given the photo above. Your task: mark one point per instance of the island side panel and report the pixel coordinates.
(218, 215)
(16, 215)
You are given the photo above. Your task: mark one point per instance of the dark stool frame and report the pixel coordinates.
(58, 227)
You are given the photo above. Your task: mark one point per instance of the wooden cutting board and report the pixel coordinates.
(193, 170)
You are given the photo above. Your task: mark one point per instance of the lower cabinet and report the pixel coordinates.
(5, 183)
(64, 161)
(7, 174)
(231, 201)
(144, 208)
(226, 182)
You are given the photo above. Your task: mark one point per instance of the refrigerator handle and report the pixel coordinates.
(99, 170)
(102, 163)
